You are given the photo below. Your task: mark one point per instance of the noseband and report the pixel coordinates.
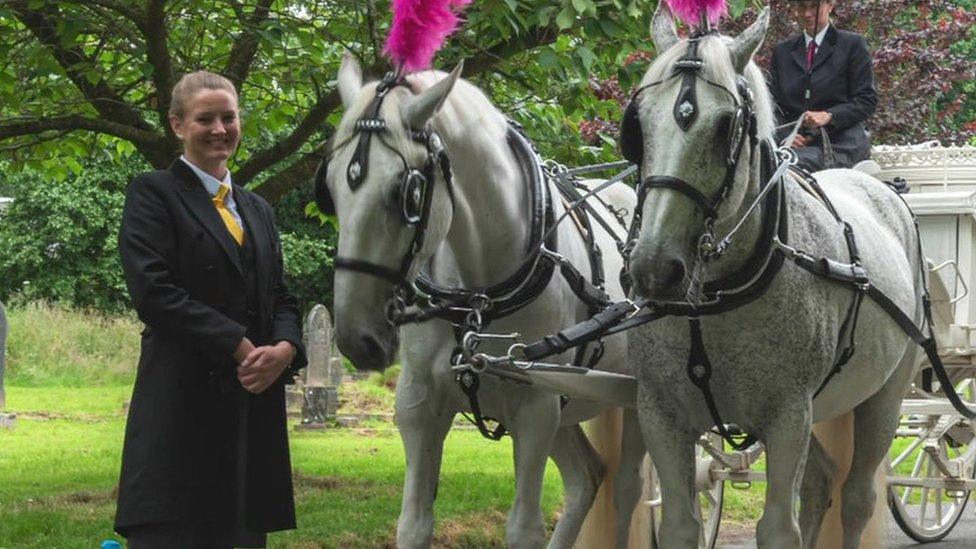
(685, 111)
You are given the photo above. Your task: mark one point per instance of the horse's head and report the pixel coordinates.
(689, 127)
(383, 179)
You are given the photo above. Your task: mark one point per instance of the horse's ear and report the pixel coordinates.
(417, 110)
(350, 79)
(663, 32)
(745, 45)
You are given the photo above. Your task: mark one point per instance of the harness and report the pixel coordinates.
(471, 309)
(755, 277)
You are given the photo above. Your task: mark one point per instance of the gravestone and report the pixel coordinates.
(3, 355)
(324, 371)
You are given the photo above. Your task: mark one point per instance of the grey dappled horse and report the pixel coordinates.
(771, 355)
(476, 236)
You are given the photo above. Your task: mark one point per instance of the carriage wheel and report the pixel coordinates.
(711, 495)
(928, 514)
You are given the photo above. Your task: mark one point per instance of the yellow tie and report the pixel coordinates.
(235, 229)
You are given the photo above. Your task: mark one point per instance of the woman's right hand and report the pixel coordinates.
(244, 348)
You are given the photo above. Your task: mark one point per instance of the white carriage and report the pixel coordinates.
(934, 457)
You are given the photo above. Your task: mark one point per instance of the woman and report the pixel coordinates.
(205, 461)
(824, 76)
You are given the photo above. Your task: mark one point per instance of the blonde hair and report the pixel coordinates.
(193, 82)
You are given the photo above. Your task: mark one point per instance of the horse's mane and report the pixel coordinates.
(715, 52)
(467, 109)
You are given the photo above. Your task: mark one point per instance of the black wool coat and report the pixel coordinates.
(187, 283)
(841, 83)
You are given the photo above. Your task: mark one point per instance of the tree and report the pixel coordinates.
(924, 65)
(92, 78)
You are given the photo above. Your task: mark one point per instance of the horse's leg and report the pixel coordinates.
(787, 439)
(673, 451)
(818, 478)
(533, 427)
(423, 433)
(582, 471)
(627, 483)
(875, 423)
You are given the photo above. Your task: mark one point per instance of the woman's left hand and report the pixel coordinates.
(263, 366)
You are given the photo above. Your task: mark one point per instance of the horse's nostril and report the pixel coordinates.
(672, 272)
(371, 344)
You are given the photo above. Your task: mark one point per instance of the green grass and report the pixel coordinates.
(48, 346)
(57, 479)
(70, 374)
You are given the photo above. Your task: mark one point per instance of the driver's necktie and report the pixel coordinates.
(811, 51)
(232, 225)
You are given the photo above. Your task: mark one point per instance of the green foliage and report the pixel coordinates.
(308, 269)
(307, 244)
(54, 115)
(59, 239)
(387, 378)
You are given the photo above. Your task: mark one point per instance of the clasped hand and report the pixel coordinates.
(811, 120)
(259, 367)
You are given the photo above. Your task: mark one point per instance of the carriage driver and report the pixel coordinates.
(824, 76)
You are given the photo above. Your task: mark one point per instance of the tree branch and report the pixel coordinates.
(298, 173)
(301, 171)
(246, 46)
(121, 8)
(157, 54)
(72, 59)
(73, 122)
(265, 158)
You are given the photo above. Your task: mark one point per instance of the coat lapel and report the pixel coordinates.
(826, 48)
(198, 202)
(799, 53)
(255, 230)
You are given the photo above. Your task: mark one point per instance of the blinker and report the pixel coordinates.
(412, 189)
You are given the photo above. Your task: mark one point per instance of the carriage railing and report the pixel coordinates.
(928, 166)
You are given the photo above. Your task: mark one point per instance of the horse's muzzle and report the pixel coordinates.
(368, 349)
(661, 277)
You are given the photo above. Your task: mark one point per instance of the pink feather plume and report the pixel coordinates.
(689, 11)
(419, 29)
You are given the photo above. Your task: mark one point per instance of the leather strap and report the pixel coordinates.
(707, 205)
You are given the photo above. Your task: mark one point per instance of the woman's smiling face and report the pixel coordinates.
(210, 128)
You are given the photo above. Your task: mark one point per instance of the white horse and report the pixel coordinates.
(769, 356)
(476, 235)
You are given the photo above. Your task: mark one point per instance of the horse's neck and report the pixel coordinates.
(489, 234)
(747, 239)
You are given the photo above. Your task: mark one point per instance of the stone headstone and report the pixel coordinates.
(318, 347)
(324, 371)
(3, 355)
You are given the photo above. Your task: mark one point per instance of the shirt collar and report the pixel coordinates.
(820, 36)
(210, 182)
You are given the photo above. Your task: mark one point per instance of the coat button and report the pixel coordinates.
(209, 268)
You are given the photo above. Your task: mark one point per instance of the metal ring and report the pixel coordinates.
(517, 347)
(468, 344)
(478, 363)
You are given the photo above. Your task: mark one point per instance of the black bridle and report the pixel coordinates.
(415, 192)
(685, 111)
